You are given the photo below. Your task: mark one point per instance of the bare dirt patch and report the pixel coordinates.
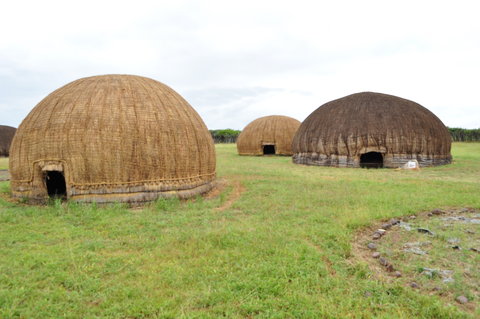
(435, 252)
(220, 185)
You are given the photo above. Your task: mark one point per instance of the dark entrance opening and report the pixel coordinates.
(268, 149)
(371, 160)
(56, 186)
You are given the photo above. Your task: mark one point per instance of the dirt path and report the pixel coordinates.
(234, 195)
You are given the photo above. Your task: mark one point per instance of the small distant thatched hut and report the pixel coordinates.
(6, 136)
(269, 135)
(371, 130)
(112, 138)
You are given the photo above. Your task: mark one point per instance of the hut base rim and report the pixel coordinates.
(390, 160)
(125, 196)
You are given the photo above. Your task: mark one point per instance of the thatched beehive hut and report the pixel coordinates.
(112, 138)
(6, 136)
(269, 135)
(371, 130)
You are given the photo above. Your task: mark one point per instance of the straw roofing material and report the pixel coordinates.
(340, 131)
(114, 138)
(276, 130)
(6, 136)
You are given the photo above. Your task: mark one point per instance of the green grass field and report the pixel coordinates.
(280, 246)
(3, 163)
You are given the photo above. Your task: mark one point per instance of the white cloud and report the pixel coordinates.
(235, 61)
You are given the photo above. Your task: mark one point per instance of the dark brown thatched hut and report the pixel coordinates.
(269, 135)
(6, 136)
(112, 138)
(371, 130)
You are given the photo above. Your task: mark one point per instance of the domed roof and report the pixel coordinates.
(276, 131)
(368, 121)
(6, 136)
(113, 134)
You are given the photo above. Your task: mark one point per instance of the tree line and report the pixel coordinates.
(225, 135)
(458, 135)
(464, 135)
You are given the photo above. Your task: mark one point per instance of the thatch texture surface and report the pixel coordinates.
(116, 138)
(6, 136)
(338, 132)
(275, 130)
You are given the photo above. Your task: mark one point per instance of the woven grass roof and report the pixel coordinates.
(277, 130)
(116, 138)
(6, 136)
(368, 121)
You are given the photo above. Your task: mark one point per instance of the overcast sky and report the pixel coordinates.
(235, 61)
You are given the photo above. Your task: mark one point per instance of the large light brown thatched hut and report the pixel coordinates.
(269, 135)
(6, 136)
(371, 130)
(112, 138)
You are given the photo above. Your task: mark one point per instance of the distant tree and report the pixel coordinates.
(464, 135)
(225, 135)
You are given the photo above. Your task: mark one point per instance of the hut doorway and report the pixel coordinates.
(269, 149)
(55, 182)
(371, 160)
